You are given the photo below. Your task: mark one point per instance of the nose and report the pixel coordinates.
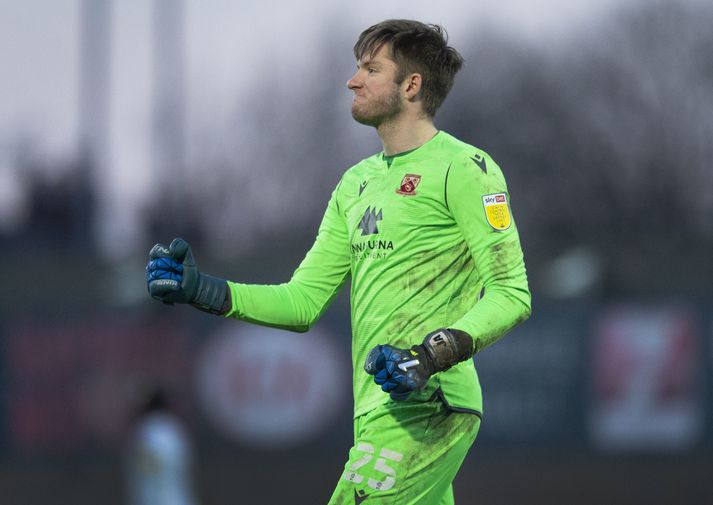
(354, 82)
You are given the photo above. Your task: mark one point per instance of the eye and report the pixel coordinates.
(371, 70)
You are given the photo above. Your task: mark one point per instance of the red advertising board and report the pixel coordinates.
(72, 382)
(646, 379)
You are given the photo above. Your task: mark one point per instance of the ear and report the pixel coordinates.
(412, 86)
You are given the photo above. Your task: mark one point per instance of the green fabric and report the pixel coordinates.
(418, 261)
(406, 453)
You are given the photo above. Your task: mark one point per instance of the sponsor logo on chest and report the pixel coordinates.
(373, 247)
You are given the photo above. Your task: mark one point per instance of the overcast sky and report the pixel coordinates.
(227, 45)
(39, 45)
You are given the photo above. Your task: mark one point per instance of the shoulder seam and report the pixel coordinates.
(445, 186)
(336, 193)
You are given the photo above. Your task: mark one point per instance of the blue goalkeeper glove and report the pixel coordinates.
(400, 372)
(172, 277)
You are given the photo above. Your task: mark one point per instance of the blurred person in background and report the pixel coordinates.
(159, 460)
(425, 232)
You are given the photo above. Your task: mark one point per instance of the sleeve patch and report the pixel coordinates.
(497, 211)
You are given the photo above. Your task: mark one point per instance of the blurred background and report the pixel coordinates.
(124, 123)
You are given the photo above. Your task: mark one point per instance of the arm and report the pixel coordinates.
(496, 251)
(173, 277)
(297, 304)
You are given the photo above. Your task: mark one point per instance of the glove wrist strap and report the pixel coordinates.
(211, 294)
(448, 347)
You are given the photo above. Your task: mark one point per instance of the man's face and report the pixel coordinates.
(377, 97)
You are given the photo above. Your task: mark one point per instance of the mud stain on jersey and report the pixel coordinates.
(426, 280)
(504, 256)
(430, 271)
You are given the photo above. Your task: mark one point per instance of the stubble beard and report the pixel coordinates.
(377, 112)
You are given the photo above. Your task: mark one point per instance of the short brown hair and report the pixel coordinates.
(419, 48)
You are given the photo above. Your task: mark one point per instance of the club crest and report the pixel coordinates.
(408, 184)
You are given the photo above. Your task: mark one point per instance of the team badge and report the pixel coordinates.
(408, 184)
(496, 211)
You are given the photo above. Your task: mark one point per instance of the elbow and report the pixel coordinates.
(302, 328)
(305, 324)
(307, 310)
(518, 299)
(526, 313)
(526, 310)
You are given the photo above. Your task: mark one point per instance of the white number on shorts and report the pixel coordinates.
(351, 474)
(380, 466)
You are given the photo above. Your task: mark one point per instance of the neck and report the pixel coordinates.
(404, 133)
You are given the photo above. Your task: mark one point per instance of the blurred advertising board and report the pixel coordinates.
(647, 391)
(532, 380)
(270, 388)
(69, 383)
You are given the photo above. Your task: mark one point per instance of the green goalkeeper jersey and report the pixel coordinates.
(429, 242)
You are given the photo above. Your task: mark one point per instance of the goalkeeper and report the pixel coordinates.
(425, 233)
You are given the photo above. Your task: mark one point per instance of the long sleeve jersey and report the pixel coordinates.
(428, 240)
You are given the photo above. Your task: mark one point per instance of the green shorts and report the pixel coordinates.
(406, 453)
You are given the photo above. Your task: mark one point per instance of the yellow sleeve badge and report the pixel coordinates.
(497, 211)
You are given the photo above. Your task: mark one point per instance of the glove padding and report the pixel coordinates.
(171, 273)
(172, 277)
(399, 372)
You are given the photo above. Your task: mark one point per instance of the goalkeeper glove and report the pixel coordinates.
(399, 372)
(172, 277)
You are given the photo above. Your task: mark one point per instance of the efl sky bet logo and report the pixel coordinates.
(490, 199)
(497, 212)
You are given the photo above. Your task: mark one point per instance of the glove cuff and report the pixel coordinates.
(210, 294)
(448, 347)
